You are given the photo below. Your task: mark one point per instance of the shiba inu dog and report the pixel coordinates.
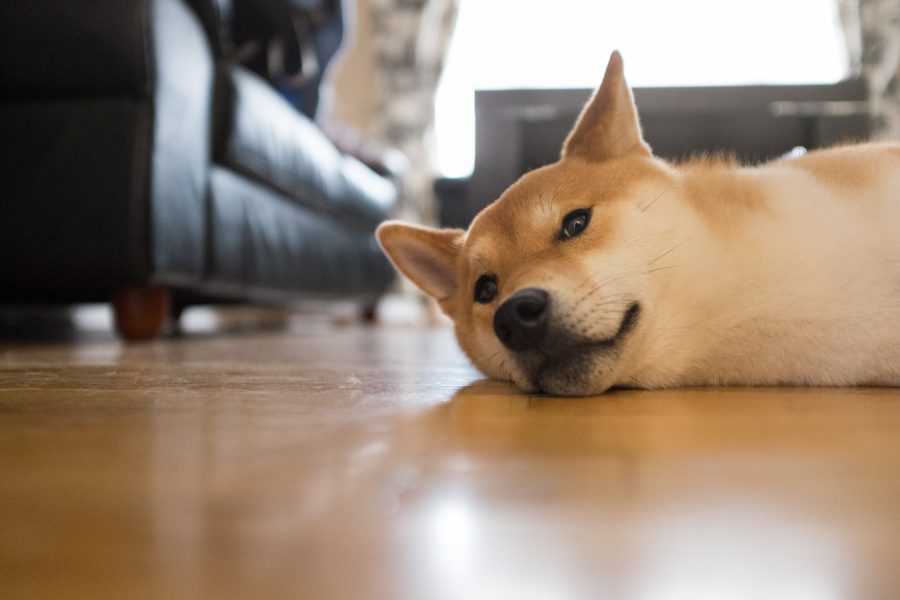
(614, 268)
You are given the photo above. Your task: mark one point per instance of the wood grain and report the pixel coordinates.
(373, 462)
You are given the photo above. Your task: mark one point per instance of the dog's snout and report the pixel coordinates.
(521, 321)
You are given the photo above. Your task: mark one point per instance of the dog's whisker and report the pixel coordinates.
(592, 292)
(652, 202)
(607, 301)
(586, 279)
(614, 300)
(607, 281)
(663, 268)
(603, 283)
(670, 250)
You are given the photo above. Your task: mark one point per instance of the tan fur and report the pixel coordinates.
(721, 191)
(787, 273)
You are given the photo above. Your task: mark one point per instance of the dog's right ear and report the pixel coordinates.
(424, 254)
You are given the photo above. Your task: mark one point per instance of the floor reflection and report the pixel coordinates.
(538, 497)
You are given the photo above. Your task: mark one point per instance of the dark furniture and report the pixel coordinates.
(519, 130)
(140, 164)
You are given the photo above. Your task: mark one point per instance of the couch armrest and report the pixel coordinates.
(72, 48)
(76, 48)
(111, 107)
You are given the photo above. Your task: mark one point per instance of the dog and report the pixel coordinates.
(614, 268)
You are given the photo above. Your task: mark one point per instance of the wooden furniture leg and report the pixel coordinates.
(369, 312)
(141, 311)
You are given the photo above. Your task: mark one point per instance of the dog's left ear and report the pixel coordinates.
(424, 254)
(608, 127)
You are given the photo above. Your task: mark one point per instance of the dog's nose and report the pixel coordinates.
(521, 321)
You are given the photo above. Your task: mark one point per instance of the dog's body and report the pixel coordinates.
(614, 268)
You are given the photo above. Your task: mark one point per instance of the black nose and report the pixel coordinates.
(521, 321)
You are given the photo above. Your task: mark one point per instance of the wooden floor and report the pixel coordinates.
(354, 462)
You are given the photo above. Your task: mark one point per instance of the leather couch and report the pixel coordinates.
(138, 164)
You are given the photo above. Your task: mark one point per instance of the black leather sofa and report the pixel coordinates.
(138, 164)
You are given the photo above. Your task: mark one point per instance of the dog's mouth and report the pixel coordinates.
(567, 371)
(629, 320)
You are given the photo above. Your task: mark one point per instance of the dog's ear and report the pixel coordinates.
(608, 127)
(424, 254)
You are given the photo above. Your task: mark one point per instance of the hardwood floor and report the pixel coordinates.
(355, 462)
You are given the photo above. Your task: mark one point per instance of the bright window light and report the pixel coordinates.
(507, 44)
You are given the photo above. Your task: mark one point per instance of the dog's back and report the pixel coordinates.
(793, 275)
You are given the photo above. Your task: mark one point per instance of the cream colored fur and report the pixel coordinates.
(787, 273)
(803, 289)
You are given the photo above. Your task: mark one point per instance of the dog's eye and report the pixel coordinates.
(485, 289)
(574, 223)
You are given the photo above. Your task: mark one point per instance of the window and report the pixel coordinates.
(508, 44)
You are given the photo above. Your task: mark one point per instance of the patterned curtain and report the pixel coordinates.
(410, 39)
(873, 37)
(383, 86)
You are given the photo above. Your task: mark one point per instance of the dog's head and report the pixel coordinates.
(551, 286)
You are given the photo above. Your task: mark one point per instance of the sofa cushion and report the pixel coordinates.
(260, 135)
(264, 246)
